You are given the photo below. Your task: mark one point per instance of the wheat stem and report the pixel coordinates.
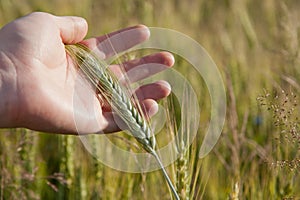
(166, 175)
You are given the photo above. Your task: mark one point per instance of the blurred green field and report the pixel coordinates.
(254, 43)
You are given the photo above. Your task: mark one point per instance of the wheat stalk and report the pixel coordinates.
(127, 109)
(182, 172)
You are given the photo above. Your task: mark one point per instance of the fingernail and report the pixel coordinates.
(170, 60)
(154, 109)
(165, 84)
(145, 31)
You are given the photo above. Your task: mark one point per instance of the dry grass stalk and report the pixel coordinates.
(122, 104)
(283, 106)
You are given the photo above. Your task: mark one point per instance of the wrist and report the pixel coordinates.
(8, 105)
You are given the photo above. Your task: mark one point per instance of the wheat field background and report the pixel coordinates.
(255, 45)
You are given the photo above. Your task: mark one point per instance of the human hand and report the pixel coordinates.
(38, 79)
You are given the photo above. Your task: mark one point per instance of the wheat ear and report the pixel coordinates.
(109, 87)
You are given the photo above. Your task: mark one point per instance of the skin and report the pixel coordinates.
(39, 81)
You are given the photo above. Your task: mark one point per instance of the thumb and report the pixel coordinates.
(72, 29)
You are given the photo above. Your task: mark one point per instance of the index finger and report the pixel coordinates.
(110, 44)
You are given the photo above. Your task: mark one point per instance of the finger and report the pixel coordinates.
(114, 123)
(149, 107)
(164, 58)
(118, 41)
(155, 91)
(72, 29)
(144, 67)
